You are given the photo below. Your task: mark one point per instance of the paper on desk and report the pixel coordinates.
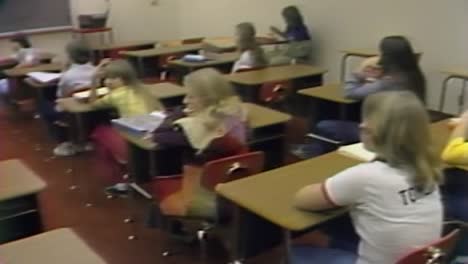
(44, 77)
(194, 58)
(142, 123)
(357, 151)
(86, 94)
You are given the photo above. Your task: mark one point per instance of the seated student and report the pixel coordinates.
(212, 126)
(24, 55)
(252, 56)
(394, 201)
(299, 48)
(400, 71)
(129, 97)
(77, 76)
(456, 184)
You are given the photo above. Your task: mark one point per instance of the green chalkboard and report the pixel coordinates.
(24, 15)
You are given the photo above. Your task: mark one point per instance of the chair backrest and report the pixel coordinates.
(433, 253)
(192, 40)
(232, 168)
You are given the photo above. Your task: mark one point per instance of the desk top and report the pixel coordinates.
(459, 73)
(162, 51)
(277, 73)
(329, 92)
(230, 43)
(57, 246)
(167, 90)
(160, 90)
(120, 45)
(366, 52)
(19, 72)
(215, 59)
(259, 117)
(18, 180)
(270, 194)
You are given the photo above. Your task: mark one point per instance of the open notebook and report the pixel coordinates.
(357, 151)
(86, 94)
(141, 124)
(44, 77)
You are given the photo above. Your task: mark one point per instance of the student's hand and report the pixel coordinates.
(275, 30)
(148, 136)
(103, 63)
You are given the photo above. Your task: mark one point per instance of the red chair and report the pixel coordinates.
(434, 253)
(213, 173)
(272, 94)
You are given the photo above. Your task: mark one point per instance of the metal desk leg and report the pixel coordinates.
(344, 61)
(443, 92)
(141, 67)
(461, 103)
(287, 246)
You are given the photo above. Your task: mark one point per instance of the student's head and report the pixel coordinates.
(397, 57)
(245, 36)
(395, 126)
(20, 41)
(78, 52)
(207, 87)
(292, 16)
(120, 73)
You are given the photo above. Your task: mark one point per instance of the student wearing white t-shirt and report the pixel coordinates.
(252, 56)
(394, 201)
(24, 56)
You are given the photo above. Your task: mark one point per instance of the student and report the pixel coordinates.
(252, 56)
(456, 186)
(212, 126)
(297, 34)
(129, 97)
(400, 71)
(78, 75)
(24, 55)
(394, 201)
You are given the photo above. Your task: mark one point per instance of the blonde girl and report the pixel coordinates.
(252, 56)
(393, 201)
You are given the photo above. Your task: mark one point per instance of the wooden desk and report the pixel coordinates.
(141, 55)
(222, 61)
(57, 246)
(101, 51)
(268, 129)
(269, 196)
(229, 43)
(19, 210)
(454, 74)
(21, 72)
(250, 81)
(333, 93)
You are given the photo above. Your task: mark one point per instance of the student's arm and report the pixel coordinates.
(97, 78)
(345, 188)
(456, 151)
(278, 32)
(356, 88)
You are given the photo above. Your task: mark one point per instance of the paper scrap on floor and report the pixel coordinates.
(357, 151)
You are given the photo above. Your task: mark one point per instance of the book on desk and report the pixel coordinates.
(44, 77)
(86, 94)
(140, 125)
(357, 151)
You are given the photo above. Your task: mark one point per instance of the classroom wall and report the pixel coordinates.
(435, 27)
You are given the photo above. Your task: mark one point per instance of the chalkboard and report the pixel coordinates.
(31, 15)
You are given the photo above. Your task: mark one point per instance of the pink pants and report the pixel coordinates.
(111, 153)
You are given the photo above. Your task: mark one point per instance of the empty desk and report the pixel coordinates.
(59, 246)
(19, 209)
(104, 50)
(221, 61)
(249, 82)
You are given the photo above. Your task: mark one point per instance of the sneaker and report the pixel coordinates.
(119, 189)
(85, 148)
(65, 149)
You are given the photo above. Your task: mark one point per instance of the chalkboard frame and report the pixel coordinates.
(41, 30)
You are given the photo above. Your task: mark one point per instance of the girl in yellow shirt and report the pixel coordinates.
(456, 186)
(129, 97)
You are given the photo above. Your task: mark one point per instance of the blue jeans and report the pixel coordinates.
(307, 255)
(346, 132)
(343, 245)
